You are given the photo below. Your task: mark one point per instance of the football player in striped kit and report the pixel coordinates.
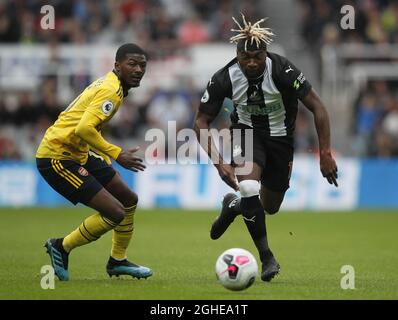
(264, 88)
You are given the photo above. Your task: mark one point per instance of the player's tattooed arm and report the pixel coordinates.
(322, 124)
(202, 126)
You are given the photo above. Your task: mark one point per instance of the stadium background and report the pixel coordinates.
(355, 72)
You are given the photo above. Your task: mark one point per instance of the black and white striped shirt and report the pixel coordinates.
(268, 103)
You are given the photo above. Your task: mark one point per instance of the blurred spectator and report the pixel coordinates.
(305, 141)
(117, 31)
(388, 134)
(168, 110)
(368, 115)
(193, 31)
(376, 122)
(8, 149)
(169, 106)
(9, 26)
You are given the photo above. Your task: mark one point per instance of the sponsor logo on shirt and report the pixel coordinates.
(300, 80)
(259, 110)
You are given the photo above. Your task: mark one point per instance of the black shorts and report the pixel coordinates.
(273, 154)
(77, 183)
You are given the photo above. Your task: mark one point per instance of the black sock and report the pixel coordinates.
(58, 243)
(236, 207)
(263, 249)
(254, 217)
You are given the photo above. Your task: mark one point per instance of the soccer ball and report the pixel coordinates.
(236, 269)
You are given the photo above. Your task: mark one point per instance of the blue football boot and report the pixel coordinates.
(59, 258)
(125, 267)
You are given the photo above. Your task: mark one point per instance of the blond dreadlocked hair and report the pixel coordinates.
(253, 32)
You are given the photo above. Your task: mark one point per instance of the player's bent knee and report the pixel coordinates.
(271, 209)
(115, 213)
(249, 188)
(133, 199)
(128, 199)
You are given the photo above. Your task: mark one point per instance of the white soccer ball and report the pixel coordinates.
(236, 269)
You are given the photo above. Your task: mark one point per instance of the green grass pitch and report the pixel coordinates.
(311, 248)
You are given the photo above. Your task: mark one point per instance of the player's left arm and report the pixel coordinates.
(101, 110)
(321, 118)
(296, 84)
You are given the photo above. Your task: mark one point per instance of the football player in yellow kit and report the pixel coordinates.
(75, 160)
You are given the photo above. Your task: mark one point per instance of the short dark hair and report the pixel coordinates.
(127, 48)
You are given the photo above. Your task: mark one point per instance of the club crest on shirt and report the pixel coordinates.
(83, 172)
(205, 97)
(255, 96)
(107, 107)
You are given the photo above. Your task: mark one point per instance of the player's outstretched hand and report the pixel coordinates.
(128, 160)
(329, 168)
(227, 174)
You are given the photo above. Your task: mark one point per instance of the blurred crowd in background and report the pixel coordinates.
(165, 28)
(162, 27)
(374, 124)
(375, 121)
(376, 22)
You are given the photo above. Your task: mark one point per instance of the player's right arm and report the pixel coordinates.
(296, 83)
(101, 109)
(209, 108)
(322, 123)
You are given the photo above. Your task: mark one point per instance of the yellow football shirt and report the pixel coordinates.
(78, 127)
